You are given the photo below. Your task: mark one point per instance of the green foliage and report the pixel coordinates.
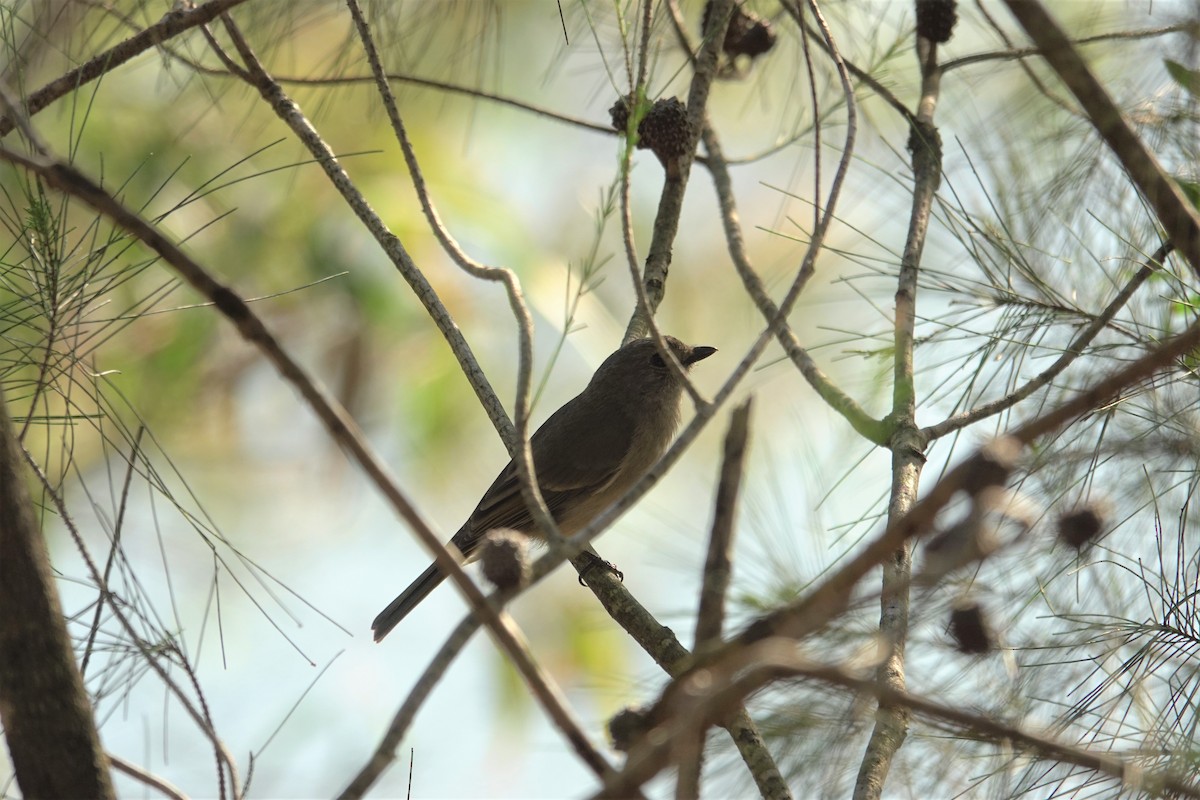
(1188, 79)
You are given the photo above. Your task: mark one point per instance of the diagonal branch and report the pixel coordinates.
(777, 660)
(831, 597)
(1177, 216)
(173, 23)
(873, 430)
(290, 113)
(1073, 351)
(49, 723)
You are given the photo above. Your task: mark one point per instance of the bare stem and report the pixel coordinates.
(907, 446)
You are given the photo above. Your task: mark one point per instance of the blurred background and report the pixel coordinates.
(249, 540)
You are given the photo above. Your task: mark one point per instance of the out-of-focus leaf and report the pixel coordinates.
(1191, 190)
(1189, 79)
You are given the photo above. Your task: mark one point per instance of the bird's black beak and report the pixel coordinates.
(699, 354)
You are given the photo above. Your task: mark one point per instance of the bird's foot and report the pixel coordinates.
(596, 562)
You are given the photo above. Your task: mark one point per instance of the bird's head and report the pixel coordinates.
(638, 369)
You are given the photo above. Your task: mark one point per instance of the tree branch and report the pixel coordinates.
(907, 446)
(775, 660)
(48, 720)
(670, 204)
(873, 430)
(1073, 351)
(710, 615)
(173, 23)
(1175, 213)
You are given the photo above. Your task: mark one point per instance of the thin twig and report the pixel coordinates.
(710, 615)
(385, 752)
(680, 26)
(1073, 351)
(174, 22)
(1037, 82)
(199, 716)
(114, 548)
(452, 88)
(148, 778)
(1013, 54)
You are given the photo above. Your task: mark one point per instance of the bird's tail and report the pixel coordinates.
(398, 609)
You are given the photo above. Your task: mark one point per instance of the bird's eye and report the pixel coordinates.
(657, 361)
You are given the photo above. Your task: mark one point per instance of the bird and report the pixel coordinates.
(586, 455)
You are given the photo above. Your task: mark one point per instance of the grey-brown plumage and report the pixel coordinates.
(586, 455)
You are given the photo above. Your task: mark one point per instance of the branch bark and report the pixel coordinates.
(907, 444)
(47, 717)
(1177, 216)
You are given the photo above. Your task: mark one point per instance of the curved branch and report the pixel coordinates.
(873, 430)
(291, 114)
(143, 776)
(521, 454)
(860, 74)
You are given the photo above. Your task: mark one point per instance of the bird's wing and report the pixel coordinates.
(573, 457)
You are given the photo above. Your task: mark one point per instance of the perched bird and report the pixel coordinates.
(586, 455)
